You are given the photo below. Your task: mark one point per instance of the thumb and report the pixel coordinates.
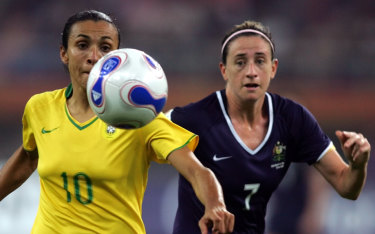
(341, 136)
(203, 225)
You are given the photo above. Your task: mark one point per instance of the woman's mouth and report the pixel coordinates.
(252, 85)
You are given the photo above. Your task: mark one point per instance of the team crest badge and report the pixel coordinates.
(278, 155)
(109, 131)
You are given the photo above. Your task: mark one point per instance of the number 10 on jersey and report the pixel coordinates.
(78, 179)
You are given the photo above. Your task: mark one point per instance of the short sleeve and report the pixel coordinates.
(164, 137)
(312, 142)
(29, 143)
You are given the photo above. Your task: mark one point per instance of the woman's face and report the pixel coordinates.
(87, 43)
(249, 67)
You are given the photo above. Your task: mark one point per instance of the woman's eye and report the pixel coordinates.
(82, 45)
(106, 48)
(240, 62)
(260, 61)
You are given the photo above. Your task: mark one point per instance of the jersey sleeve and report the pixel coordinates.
(164, 137)
(312, 142)
(29, 143)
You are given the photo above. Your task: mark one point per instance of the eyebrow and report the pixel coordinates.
(87, 37)
(244, 54)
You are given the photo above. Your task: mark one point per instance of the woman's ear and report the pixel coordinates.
(63, 55)
(223, 70)
(275, 64)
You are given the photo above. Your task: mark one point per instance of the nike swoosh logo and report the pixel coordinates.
(44, 131)
(216, 158)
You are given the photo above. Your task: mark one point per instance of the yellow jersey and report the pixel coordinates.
(93, 176)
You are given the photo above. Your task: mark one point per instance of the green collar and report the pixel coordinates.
(68, 94)
(69, 91)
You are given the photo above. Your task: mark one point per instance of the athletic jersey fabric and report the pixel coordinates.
(248, 176)
(93, 176)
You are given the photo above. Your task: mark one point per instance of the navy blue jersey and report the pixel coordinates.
(248, 176)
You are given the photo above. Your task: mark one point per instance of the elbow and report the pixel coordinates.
(351, 195)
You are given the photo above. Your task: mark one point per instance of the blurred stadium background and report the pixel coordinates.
(326, 52)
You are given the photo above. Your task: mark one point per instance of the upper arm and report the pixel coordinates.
(16, 170)
(331, 166)
(185, 162)
(32, 157)
(23, 161)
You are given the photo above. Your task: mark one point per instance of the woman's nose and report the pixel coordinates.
(94, 55)
(251, 70)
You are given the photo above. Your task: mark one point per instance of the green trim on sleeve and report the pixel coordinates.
(186, 143)
(30, 151)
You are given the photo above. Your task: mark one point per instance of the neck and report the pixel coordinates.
(249, 112)
(249, 119)
(78, 105)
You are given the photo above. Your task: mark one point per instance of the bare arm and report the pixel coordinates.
(16, 170)
(347, 179)
(207, 189)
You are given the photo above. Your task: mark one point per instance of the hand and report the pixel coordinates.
(218, 219)
(355, 146)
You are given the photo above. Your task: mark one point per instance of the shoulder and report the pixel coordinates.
(197, 113)
(160, 124)
(198, 105)
(163, 128)
(283, 103)
(45, 98)
(292, 115)
(288, 108)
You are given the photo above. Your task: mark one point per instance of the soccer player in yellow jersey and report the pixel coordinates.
(92, 175)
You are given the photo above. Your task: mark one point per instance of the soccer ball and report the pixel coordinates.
(127, 88)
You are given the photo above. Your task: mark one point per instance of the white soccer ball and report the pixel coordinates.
(127, 88)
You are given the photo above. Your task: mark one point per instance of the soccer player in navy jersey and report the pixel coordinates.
(249, 137)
